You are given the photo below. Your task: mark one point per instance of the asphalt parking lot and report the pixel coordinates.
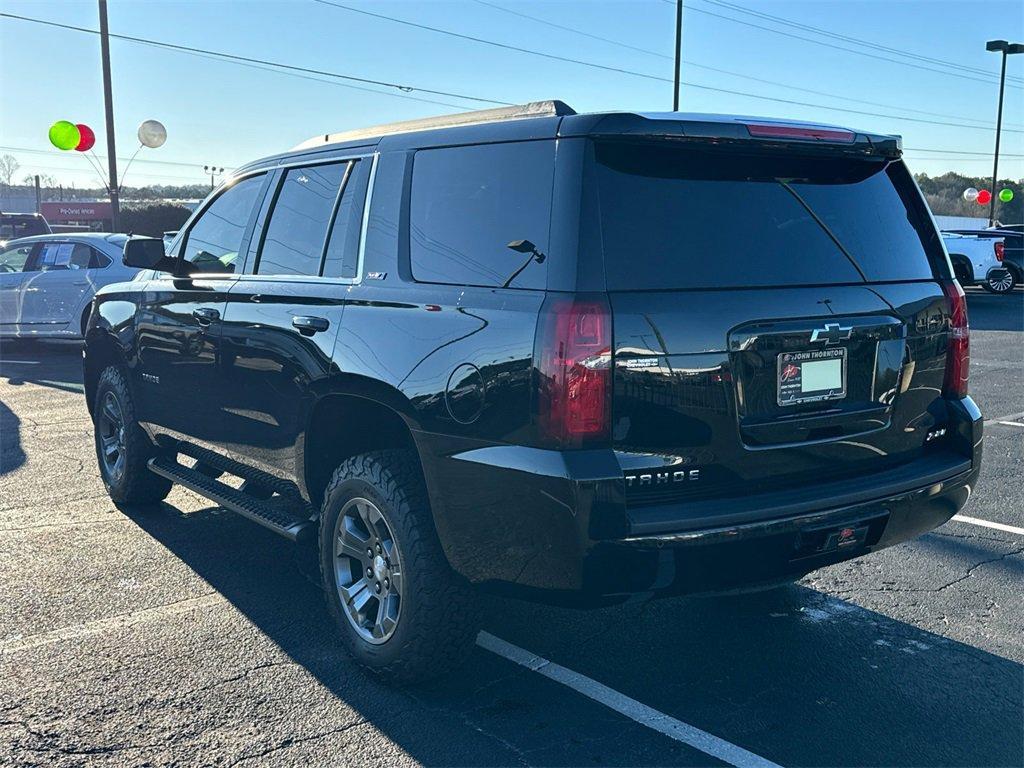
(182, 634)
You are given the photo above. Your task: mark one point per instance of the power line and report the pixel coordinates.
(29, 150)
(495, 43)
(848, 38)
(833, 47)
(959, 152)
(251, 60)
(689, 84)
(575, 31)
(732, 73)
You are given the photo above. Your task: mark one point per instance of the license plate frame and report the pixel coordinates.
(789, 390)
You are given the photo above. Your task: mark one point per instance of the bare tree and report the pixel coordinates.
(8, 167)
(45, 180)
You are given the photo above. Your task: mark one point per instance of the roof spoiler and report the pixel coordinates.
(550, 108)
(733, 129)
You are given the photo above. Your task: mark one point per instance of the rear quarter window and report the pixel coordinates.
(673, 217)
(469, 203)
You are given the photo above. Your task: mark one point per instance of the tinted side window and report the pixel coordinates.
(213, 242)
(343, 247)
(99, 260)
(469, 203)
(297, 231)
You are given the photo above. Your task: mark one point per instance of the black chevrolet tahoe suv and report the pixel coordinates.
(572, 357)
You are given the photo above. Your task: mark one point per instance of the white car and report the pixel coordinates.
(47, 282)
(977, 259)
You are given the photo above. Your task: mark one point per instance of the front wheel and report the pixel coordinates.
(400, 608)
(122, 447)
(1000, 281)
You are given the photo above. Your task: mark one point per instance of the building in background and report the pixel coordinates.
(77, 216)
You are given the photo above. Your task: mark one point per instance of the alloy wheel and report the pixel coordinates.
(1001, 284)
(367, 570)
(112, 436)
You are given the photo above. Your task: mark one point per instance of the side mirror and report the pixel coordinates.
(147, 253)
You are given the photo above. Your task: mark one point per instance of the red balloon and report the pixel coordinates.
(87, 140)
(984, 197)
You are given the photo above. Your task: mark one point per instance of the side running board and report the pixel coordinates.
(285, 515)
(255, 476)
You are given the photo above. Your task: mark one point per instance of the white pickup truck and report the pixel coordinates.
(978, 260)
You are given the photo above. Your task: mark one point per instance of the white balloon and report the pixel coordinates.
(152, 134)
(970, 194)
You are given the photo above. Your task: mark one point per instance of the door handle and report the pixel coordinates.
(205, 315)
(308, 325)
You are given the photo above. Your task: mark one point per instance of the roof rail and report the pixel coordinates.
(551, 108)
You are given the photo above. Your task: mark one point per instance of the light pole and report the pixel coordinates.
(1007, 49)
(214, 171)
(108, 107)
(679, 54)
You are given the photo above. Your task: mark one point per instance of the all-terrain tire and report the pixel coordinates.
(134, 483)
(437, 623)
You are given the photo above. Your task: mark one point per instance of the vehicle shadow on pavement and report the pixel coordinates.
(58, 366)
(793, 675)
(989, 312)
(46, 363)
(12, 455)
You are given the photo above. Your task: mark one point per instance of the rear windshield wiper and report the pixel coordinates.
(789, 188)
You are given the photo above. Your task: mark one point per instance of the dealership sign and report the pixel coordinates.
(75, 211)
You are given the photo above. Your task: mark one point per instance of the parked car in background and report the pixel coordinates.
(1013, 249)
(15, 225)
(47, 282)
(978, 259)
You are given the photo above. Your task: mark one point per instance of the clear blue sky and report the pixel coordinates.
(219, 112)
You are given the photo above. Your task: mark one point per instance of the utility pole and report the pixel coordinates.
(1006, 49)
(679, 53)
(39, 197)
(108, 104)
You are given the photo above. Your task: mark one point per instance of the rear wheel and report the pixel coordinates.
(401, 610)
(122, 448)
(1000, 281)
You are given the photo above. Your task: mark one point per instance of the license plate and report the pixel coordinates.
(810, 377)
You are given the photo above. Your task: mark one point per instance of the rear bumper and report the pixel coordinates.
(553, 526)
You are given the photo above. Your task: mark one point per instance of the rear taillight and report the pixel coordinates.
(1000, 250)
(573, 357)
(958, 347)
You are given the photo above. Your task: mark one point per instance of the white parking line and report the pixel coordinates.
(20, 362)
(988, 524)
(1009, 420)
(624, 705)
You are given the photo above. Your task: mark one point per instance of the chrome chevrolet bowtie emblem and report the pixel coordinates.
(832, 333)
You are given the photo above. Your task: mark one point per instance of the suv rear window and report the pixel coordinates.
(676, 217)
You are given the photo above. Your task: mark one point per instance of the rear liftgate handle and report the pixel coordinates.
(308, 325)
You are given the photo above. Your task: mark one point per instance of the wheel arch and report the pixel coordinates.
(352, 416)
(961, 262)
(101, 351)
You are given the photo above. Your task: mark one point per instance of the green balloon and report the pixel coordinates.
(1006, 195)
(65, 135)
